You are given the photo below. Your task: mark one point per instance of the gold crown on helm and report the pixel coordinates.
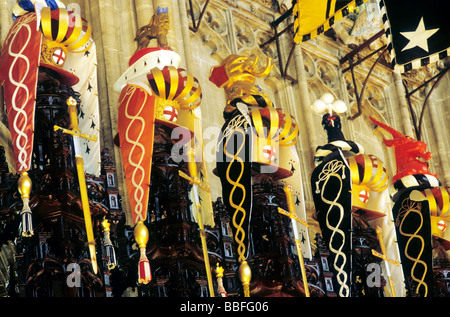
(176, 87)
(53, 53)
(63, 32)
(368, 170)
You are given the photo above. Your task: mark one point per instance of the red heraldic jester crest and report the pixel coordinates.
(420, 210)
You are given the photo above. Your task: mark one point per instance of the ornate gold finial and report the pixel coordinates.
(237, 75)
(219, 275)
(157, 28)
(245, 274)
(109, 248)
(73, 113)
(24, 186)
(141, 236)
(106, 225)
(219, 270)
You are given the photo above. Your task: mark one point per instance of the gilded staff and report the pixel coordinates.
(76, 133)
(291, 214)
(195, 185)
(385, 257)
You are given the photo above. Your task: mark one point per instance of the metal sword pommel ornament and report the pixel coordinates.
(73, 116)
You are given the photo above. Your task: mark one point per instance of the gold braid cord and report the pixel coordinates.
(410, 207)
(331, 169)
(240, 232)
(237, 75)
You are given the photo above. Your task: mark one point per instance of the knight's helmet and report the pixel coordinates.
(63, 32)
(370, 179)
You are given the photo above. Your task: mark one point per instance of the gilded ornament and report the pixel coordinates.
(245, 273)
(219, 271)
(237, 75)
(24, 185)
(106, 225)
(141, 234)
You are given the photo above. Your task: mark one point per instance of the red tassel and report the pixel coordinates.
(145, 274)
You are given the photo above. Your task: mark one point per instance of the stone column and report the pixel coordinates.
(437, 124)
(403, 105)
(5, 19)
(106, 22)
(127, 46)
(183, 34)
(305, 117)
(144, 12)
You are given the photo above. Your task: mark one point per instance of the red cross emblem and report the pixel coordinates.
(364, 196)
(170, 114)
(269, 152)
(442, 225)
(59, 56)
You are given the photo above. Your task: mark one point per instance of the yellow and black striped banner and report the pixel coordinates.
(313, 17)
